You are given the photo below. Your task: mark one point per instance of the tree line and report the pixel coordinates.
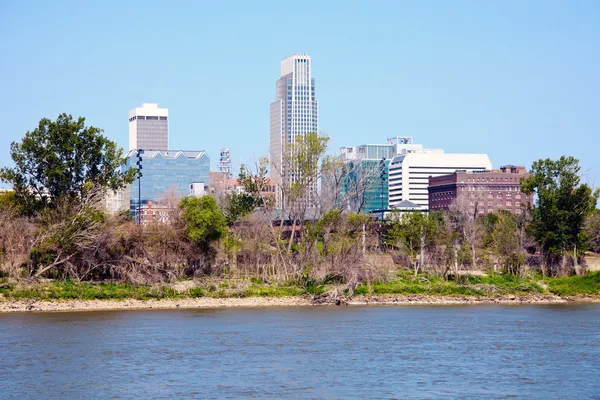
(54, 224)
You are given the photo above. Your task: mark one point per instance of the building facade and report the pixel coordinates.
(149, 128)
(156, 213)
(113, 201)
(364, 186)
(167, 175)
(294, 113)
(483, 192)
(368, 171)
(409, 172)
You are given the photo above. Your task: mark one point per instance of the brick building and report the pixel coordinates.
(220, 183)
(157, 212)
(485, 191)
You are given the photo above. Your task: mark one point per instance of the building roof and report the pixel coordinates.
(406, 204)
(169, 154)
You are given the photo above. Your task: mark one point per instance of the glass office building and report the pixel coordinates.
(166, 174)
(363, 188)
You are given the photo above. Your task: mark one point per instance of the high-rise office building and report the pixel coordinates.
(294, 113)
(149, 128)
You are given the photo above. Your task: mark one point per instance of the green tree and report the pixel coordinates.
(238, 205)
(204, 222)
(8, 200)
(414, 233)
(561, 207)
(256, 183)
(507, 244)
(300, 176)
(63, 159)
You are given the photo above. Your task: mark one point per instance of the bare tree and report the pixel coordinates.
(67, 229)
(297, 187)
(16, 237)
(348, 185)
(467, 207)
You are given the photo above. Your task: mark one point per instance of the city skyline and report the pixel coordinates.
(493, 78)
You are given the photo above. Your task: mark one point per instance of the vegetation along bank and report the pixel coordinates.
(58, 243)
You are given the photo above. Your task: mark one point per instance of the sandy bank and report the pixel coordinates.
(98, 305)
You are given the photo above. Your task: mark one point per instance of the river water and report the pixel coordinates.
(488, 352)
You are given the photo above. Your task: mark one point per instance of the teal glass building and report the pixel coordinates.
(366, 168)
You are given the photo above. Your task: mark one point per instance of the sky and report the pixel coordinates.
(516, 79)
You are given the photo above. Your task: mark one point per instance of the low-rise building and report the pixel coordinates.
(482, 192)
(157, 212)
(221, 184)
(410, 170)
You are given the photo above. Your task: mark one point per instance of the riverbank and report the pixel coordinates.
(291, 301)
(403, 289)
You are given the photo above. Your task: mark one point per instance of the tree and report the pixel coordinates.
(592, 231)
(414, 232)
(561, 207)
(256, 184)
(465, 213)
(204, 222)
(238, 205)
(349, 185)
(63, 159)
(65, 231)
(300, 175)
(507, 242)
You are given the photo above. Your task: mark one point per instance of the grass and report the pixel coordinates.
(86, 291)
(504, 284)
(119, 291)
(404, 283)
(574, 285)
(489, 285)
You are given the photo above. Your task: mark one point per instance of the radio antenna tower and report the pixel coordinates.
(225, 163)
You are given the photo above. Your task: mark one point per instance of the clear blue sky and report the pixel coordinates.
(517, 79)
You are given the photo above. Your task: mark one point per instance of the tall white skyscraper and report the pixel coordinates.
(295, 112)
(149, 128)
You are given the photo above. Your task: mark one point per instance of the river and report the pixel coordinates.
(550, 352)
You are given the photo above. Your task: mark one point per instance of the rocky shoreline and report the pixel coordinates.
(296, 301)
